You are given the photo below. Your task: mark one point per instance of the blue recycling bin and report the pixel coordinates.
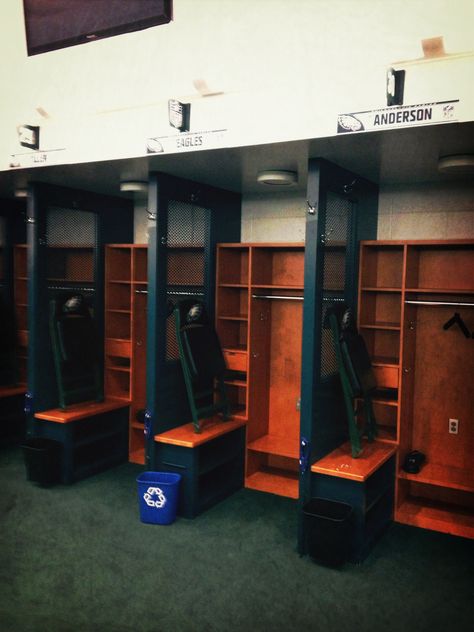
(158, 494)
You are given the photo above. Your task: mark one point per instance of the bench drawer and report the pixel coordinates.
(386, 376)
(236, 360)
(119, 348)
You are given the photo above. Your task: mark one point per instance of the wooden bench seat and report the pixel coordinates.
(341, 464)
(9, 391)
(81, 411)
(187, 437)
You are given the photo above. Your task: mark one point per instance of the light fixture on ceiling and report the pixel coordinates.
(277, 178)
(21, 192)
(133, 186)
(456, 163)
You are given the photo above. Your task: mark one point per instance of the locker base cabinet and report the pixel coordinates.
(94, 436)
(211, 463)
(366, 484)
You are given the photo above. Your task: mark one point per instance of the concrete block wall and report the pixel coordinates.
(406, 211)
(426, 211)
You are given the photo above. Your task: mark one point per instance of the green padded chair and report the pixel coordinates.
(75, 350)
(202, 361)
(357, 377)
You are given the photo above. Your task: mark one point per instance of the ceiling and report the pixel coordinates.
(395, 156)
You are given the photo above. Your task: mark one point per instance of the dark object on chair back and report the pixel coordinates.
(202, 360)
(355, 370)
(357, 359)
(75, 350)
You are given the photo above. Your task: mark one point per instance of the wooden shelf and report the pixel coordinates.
(274, 482)
(235, 349)
(426, 290)
(271, 444)
(81, 411)
(238, 383)
(259, 286)
(187, 437)
(240, 286)
(442, 476)
(396, 290)
(120, 281)
(381, 325)
(119, 311)
(9, 391)
(241, 317)
(385, 361)
(137, 456)
(442, 517)
(340, 462)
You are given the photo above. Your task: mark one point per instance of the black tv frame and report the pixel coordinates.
(43, 35)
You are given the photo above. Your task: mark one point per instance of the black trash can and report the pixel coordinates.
(42, 460)
(329, 531)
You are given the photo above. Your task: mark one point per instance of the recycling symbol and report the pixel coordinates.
(154, 497)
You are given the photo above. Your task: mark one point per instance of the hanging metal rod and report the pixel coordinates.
(275, 297)
(174, 293)
(181, 293)
(440, 303)
(70, 288)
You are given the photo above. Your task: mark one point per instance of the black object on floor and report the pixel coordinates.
(329, 531)
(42, 460)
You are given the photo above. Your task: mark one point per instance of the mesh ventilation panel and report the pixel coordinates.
(71, 240)
(188, 228)
(337, 235)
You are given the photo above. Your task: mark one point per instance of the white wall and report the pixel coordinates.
(418, 211)
(426, 211)
(415, 211)
(286, 67)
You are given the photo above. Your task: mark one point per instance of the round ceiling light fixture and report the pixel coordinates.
(457, 163)
(133, 186)
(277, 178)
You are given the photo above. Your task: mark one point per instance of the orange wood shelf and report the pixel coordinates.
(426, 290)
(381, 325)
(186, 436)
(341, 464)
(137, 456)
(442, 517)
(8, 391)
(443, 476)
(279, 446)
(81, 411)
(278, 482)
(381, 289)
(279, 286)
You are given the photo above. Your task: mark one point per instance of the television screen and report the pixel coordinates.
(53, 24)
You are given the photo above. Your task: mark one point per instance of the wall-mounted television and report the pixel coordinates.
(53, 24)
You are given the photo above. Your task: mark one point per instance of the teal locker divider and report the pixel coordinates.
(185, 222)
(342, 210)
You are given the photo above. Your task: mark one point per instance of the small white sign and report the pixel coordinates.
(398, 116)
(186, 141)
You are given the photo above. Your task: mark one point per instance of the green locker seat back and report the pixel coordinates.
(202, 361)
(355, 370)
(356, 357)
(75, 349)
(8, 345)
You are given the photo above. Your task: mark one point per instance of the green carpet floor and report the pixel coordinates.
(78, 559)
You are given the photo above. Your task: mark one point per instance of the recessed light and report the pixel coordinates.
(133, 186)
(277, 178)
(457, 163)
(21, 192)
